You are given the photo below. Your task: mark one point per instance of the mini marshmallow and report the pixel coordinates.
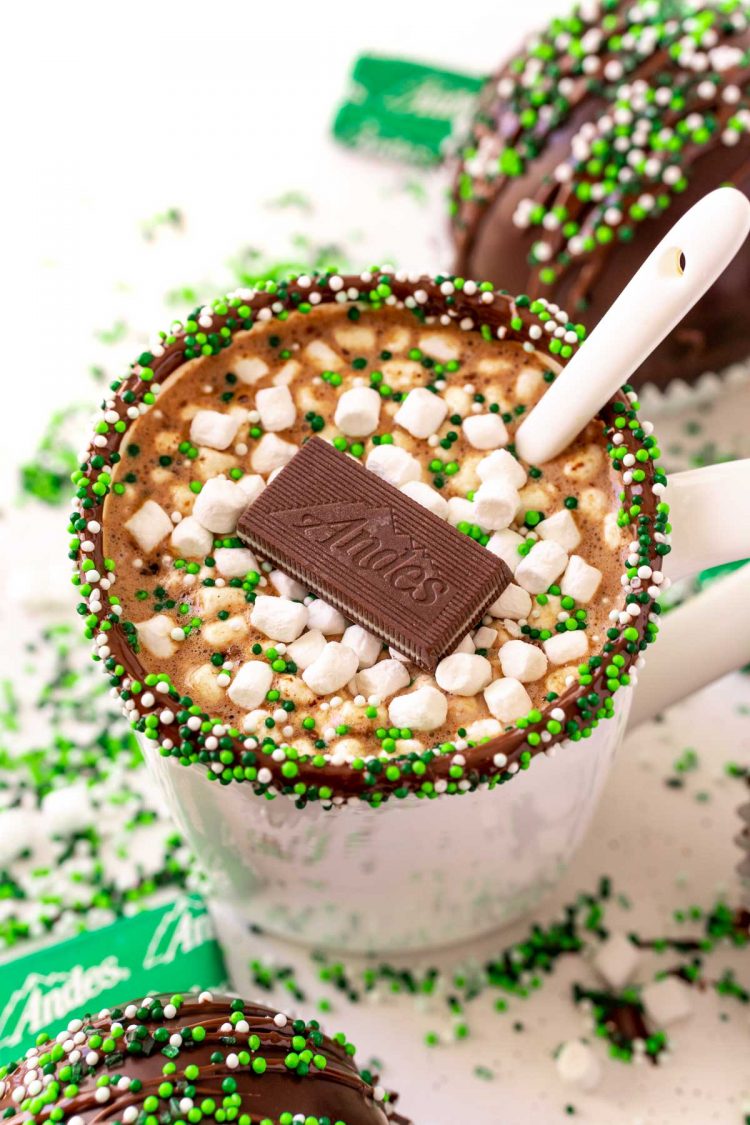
(578, 1065)
(276, 408)
(496, 504)
(288, 587)
(221, 634)
(249, 686)
(421, 413)
(423, 709)
(323, 355)
(251, 485)
(279, 618)
(522, 661)
(514, 602)
(383, 679)
(235, 562)
(507, 699)
(149, 525)
(331, 670)
(322, 616)
(463, 673)
(428, 497)
(564, 648)
(67, 809)
(306, 648)
(461, 510)
(502, 465)
(561, 527)
(616, 960)
(580, 581)
(215, 430)
(544, 563)
(155, 635)
(466, 644)
(249, 369)
(358, 412)
(484, 637)
(440, 346)
(505, 545)
(271, 453)
(485, 431)
(191, 540)
(366, 646)
(219, 505)
(393, 464)
(666, 1001)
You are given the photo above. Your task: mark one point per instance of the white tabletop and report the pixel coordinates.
(218, 111)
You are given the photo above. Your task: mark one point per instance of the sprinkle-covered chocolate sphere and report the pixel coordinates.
(190, 1059)
(588, 146)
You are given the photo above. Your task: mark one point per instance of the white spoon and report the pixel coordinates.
(674, 276)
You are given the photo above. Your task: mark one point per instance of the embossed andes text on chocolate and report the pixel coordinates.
(385, 561)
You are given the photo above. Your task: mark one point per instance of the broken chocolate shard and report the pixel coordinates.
(385, 561)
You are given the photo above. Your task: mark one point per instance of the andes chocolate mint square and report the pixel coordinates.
(375, 554)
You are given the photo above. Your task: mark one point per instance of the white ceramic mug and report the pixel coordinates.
(413, 873)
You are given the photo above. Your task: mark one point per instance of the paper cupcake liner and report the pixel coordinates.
(678, 395)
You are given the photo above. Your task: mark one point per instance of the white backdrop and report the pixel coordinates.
(114, 112)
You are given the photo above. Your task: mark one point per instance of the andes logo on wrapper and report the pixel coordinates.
(369, 541)
(382, 559)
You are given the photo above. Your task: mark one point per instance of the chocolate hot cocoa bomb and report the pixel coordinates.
(187, 1059)
(590, 144)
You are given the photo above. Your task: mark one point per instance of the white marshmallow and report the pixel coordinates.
(276, 408)
(155, 635)
(578, 1065)
(271, 453)
(249, 369)
(393, 464)
(502, 465)
(507, 699)
(616, 960)
(505, 545)
(279, 618)
(514, 602)
(191, 539)
(522, 661)
(288, 587)
(235, 562)
(306, 648)
(440, 346)
(333, 669)
(67, 809)
(564, 648)
(580, 581)
(249, 686)
(484, 637)
(358, 412)
(383, 679)
(463, 673)
(461, 510)
(213, 429)
(421, 413)
(149, 525)
(561, 527)
(251, 485)
(496, 504)
(428, 497)
(466, 644)
(666, 1001)
(253, 721)
(423, 709)
(325, 617)
(485, 431)
(323, 355)
(219, 505)
(544, 563)
(366, 646)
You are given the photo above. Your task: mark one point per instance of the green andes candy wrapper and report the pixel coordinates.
(168, 949)
(404, 111)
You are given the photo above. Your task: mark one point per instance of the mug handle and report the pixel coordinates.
(709, 635)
